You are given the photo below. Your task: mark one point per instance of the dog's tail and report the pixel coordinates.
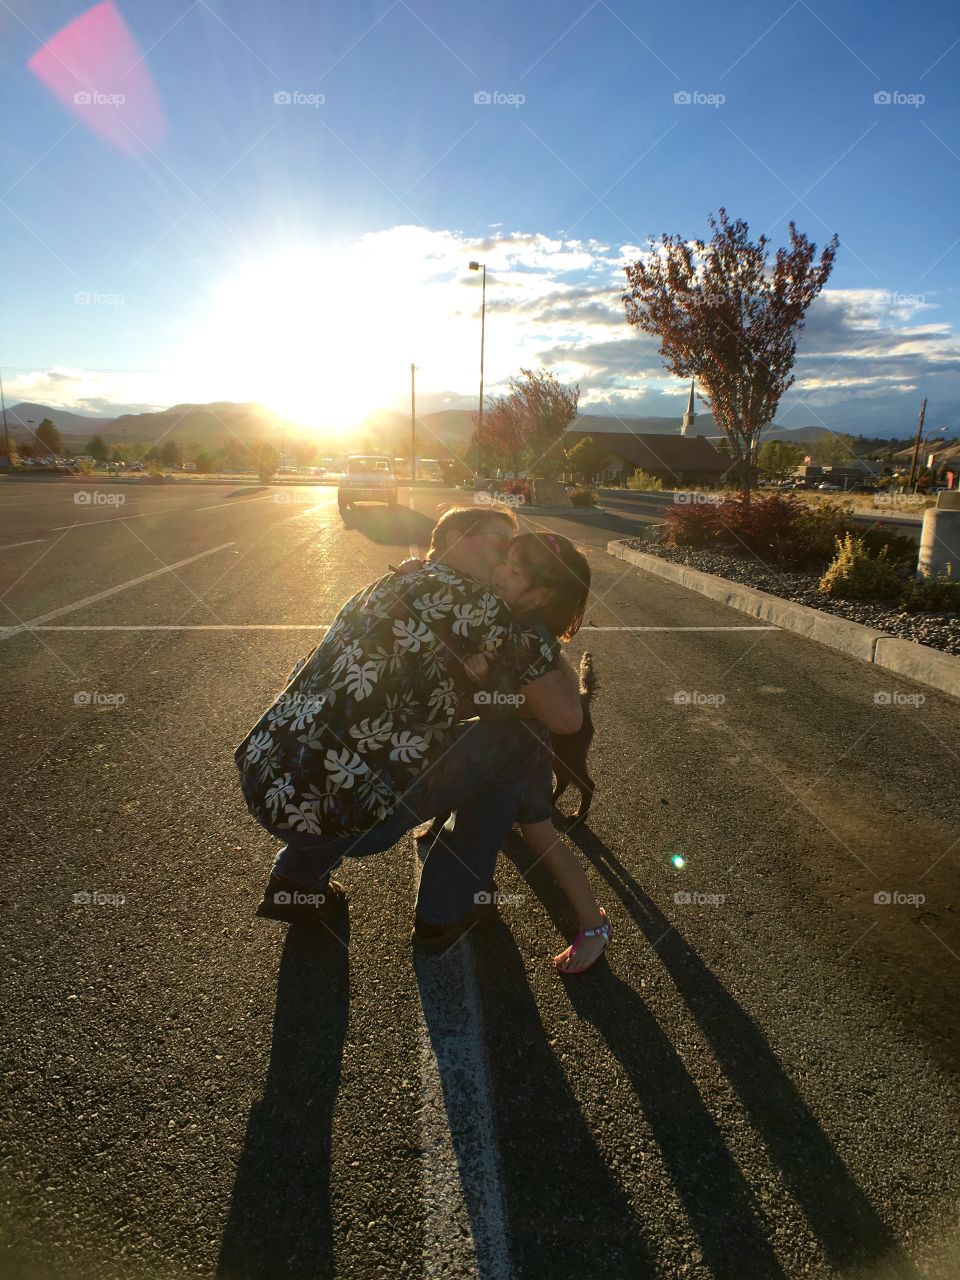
(589, 682)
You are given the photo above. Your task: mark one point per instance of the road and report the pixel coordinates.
(760, 1083)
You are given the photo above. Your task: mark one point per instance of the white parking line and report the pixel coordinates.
(291, 626)
(36, 623)
(465, 1223)
(82, 524)
(28, 543)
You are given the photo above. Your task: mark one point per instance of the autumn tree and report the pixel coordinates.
(504, 437)
(547, 408)
(729, 319)
(525, 426)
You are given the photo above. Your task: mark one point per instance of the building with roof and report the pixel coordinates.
(676, 460)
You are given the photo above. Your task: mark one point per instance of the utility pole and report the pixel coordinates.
(916, 447)
(477, 266)
(413, 423)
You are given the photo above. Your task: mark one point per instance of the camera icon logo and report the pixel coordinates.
(682, 98)
(882, 699)
(82, 98)
(282, 98)
(83, 898)
(882, 898)
(281, 898)
(484, 898)
(882, 98)
(482, 698)
(483, 98)
(82, 498)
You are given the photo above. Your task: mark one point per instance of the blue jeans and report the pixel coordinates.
(483, 774)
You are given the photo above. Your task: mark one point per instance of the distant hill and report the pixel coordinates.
(203, 423)
(66, 422)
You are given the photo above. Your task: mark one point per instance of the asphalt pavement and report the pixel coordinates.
(760, 1082)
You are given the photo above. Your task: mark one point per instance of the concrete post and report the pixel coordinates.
(940, 538)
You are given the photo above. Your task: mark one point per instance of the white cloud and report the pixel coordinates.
(331, 328)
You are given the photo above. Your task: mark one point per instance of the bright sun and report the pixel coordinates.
(307, 335)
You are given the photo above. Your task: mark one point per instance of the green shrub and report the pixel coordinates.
(583, 496)
(644, 482)
(854, 574)
(932, 595)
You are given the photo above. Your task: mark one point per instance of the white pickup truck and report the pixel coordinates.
(367, 477)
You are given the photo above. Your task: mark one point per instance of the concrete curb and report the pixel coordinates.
(903, 657)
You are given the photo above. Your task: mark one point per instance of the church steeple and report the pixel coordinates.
(690, 416)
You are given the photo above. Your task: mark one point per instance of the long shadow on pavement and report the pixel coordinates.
(851, 1231)
(390, 526)
(720, 1204)
(280, 1219)
(567, 1214)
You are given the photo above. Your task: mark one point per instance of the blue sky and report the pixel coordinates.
(303, 252)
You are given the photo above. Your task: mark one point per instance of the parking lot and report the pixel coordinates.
(761, 1081)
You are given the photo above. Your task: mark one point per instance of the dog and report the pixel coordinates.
(569, 764)
(570, 750)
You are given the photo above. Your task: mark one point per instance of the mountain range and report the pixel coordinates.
(442, 432)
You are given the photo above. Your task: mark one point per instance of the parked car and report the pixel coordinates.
(827, 487)
(367, 477)
(135, 466)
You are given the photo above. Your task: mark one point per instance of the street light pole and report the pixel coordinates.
(413, 424)
(476, 266)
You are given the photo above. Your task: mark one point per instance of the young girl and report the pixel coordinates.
(546, 580)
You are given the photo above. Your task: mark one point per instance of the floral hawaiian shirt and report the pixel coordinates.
(370, 708)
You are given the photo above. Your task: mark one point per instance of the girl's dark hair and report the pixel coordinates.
(552, 561)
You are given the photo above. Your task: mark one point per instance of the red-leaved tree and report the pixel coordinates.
(725, 317)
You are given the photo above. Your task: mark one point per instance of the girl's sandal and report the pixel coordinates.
(603, 931)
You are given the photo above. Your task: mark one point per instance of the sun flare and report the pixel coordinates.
(324, 338)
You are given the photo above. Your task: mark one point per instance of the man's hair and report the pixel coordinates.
(463, 520)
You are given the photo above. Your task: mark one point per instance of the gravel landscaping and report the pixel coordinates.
(938, 630)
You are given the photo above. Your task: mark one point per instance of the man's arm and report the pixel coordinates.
(554, 699)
